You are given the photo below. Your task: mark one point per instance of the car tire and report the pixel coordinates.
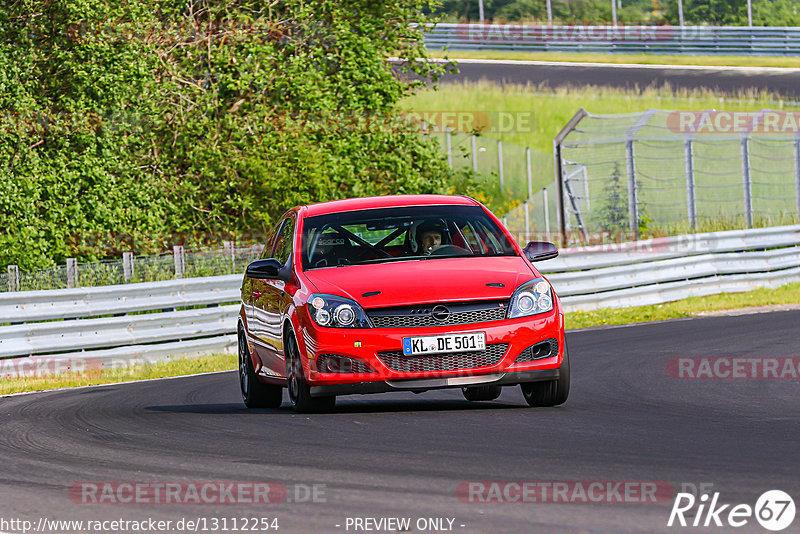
(482, 393)
(299, 390)
(254, 393)
(551, 392)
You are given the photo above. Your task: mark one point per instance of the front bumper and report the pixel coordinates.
(364, 345)
(424, 384)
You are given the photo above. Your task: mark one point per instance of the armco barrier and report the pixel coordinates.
(709, 40)
(102, 323)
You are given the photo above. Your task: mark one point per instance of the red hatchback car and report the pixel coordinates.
(398, 293)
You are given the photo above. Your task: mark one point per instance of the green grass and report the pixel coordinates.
(788, 294)
(642, 59)
(173, 367)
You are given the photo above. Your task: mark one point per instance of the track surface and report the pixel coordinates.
(404, 454)
(722, 81)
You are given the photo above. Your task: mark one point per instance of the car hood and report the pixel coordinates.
(422, 281)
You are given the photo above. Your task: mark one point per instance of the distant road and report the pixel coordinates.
(724, 80)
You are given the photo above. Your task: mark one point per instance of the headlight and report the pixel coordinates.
(337, 312)
(531, 298)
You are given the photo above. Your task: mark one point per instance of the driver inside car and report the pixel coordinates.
(429, 236)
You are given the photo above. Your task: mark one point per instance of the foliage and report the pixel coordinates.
(613, 216)
(168, 120)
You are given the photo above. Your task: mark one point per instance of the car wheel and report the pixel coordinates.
(299, 390)
(482, 393)
(254, 393)
(551, 392)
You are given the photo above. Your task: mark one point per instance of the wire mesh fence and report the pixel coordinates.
(212, 262)
(511, 175)
(670, 172)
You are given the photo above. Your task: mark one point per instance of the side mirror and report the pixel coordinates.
(269, 269)
(540, 251)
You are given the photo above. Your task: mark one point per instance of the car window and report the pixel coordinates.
(399, 234)
(283, 244)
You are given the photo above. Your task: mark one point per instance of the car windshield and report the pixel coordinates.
(401, 234)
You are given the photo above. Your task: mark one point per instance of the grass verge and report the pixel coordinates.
(788, 294)
(640, 59)
(169, 368)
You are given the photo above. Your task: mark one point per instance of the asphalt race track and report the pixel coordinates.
(404, 455)
(784, 82)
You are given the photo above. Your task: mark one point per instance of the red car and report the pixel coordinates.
(398, 293)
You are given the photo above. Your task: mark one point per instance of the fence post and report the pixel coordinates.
(797, 172)
(529, 170)
(527, 220)
(180, 261)
(748, 186)
(691, 198)
(127, 266)
(500, 164)
(229, 249)
(72, 272)
(449, 147)
(633, 208)
(546, 214)
(13, 278)
(474, 154)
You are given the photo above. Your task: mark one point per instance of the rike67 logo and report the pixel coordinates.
(774, 510)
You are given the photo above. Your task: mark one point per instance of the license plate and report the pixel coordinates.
(413, 346)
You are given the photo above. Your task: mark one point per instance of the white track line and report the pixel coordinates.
(703, 68)
(109, 385)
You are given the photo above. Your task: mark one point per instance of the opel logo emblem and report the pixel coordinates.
(440, 313)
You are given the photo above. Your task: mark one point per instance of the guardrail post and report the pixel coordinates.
(797, 172)
(13, 278)
(72, 272)
(449, 147)
(746, 182)
(691, 197)
(500, 163)
(180, 261)
(127, 266)
(474, 154)
(633, 208)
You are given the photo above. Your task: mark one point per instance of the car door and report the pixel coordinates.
(267, 297)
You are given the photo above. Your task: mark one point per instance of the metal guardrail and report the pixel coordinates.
(714, 40)
(104, 323)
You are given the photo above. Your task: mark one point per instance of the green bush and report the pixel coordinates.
(135, 125)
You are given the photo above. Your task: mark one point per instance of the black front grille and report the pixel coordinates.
(333, 363)
(540, 351)
(397, 361)
(423, 315)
